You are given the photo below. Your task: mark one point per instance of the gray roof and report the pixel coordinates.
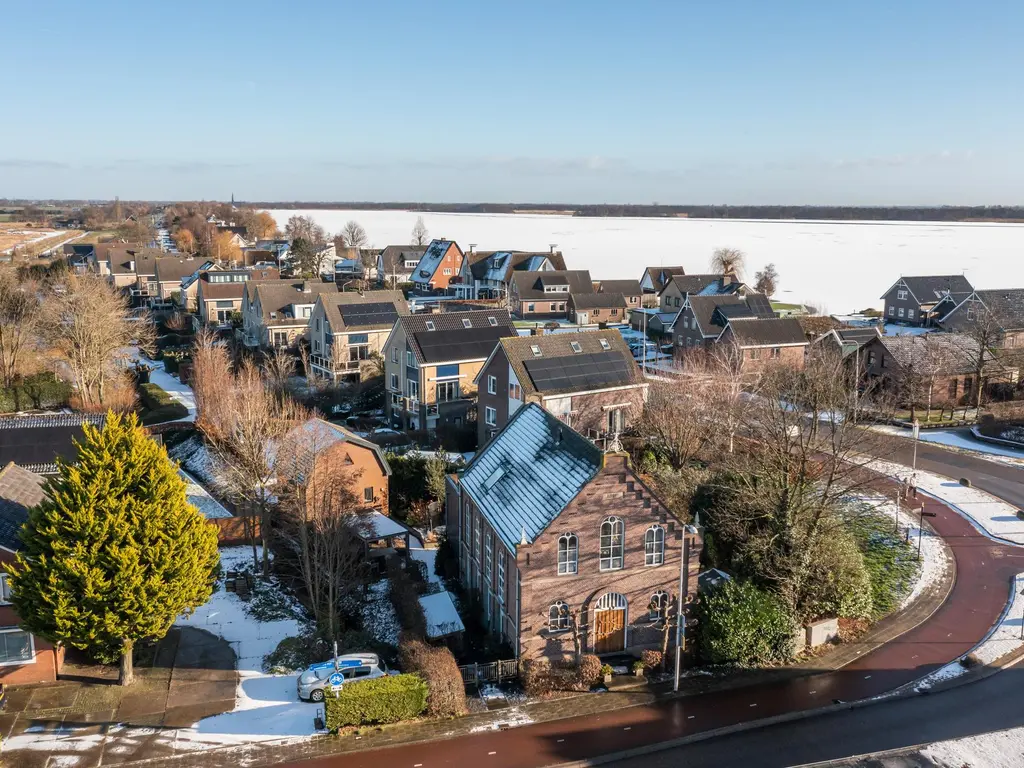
(394, 257)
(530, 285)
(523, 479)
(705, 285)
(173, 270)
(35, 442)
(1006, 307)
(928, 289)
(858, 336)
(767, 332)
(448, 338)
(391, 304)
(20, 490)
(122, 256)
(933, 353)
(277, 296)
(499, 265)
(660, 276)
(625, 287)
(519, 352)
(597, 300)
(714, 312)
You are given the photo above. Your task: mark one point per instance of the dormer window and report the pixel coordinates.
(492, 320)
(430, 325)
(576, 346)
(466, 323)
(535, 349)
(605, 344)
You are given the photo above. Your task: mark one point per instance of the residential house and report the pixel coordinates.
(595, 308)
(431, 362)
(654, 280)
(352, 465)
(589, 380)
(997, 314)
(755, 343)
(846, 342)
(680, 286)
(557, 538)
(923, 299)
(176, 279)
(349, 264)
(238, 234)
(397, 263)
(81, 257)
(278, 248)
(630, 290)
(131, 268)
(24, 658)
(219, 293)
(486, 274)
(438, 266)
(34, 442)
(347, 329)
(702, 319)
(544, 295)
(932, 368)
(276, 313)
(652, 321)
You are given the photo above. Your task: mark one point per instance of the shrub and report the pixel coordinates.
(838, 583)
(436, 665)
(39, 391)
(537, 677)
(638, 666)
(606, 669)
(375, 701)
(742, 624)
(405, 588)
(160, 405)
(651, 659)
(589, 671)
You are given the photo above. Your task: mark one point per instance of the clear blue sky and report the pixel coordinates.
(678, 101)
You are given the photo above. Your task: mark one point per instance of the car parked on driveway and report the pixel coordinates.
(317, 679)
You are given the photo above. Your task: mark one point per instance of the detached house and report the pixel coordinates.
(759, 342)
(397, 263)
(922, 300)
(438, 267)
(431, 362)
(654, 280)
(132, 268)
(219, 293)
(557, 538)
(702, 319)
(596, 308)
(486, 275)
(589, 380)
(629, 290)
(680, 286)
(347, 329)
(544, 295)
(1000, 314)
(276, 313)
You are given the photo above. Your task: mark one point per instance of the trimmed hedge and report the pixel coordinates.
(376, 701)
(436, 665)
(159, 405)
(40, 391)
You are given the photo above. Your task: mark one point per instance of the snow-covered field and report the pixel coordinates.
(842, 266)
(1001, 749)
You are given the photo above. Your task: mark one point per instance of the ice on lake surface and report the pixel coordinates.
(840, 266)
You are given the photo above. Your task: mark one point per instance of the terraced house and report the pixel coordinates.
(431, 362)
(487, 274)
(219, 293)
(994, 314)
(559, 539)
(347, 329)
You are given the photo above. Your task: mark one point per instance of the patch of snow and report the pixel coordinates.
(378, 526)
(428, 558)
(894, 329)
(200, 498)
(170, 384)
(441, 615)
(513, 718)
(490, 692)
(379, 617)
(990, 515)
(999, 749)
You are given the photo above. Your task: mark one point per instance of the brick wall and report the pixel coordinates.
(758, 358)
(47, 661)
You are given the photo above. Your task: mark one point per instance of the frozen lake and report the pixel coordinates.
(841, 266)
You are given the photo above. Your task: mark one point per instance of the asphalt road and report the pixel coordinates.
(977, 708)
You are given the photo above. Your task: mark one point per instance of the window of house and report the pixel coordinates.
(430, 325)
(5, 590)
(952, 389)
(466, 323)
(605, 344)
(15, 646)
(535, 349)
(561, 306)
(901, 295)
(368, 494)
(447, 270)
(871, 358)
(658, 608)
(280, 339)
(568, 549)
(776, 353)
(490, 416)
(410, 360)
(755, 354)
(492, 385)
(447, 391)
(899, 313)
(654, 545)
(910, 314)
(553, 307)
(616, 422)
(476, 537)
(529, 308)
(892, 311)
(492, 320)
(968, 385)
(558, 617)
(597, 313)
(575, 345)
(316, 346)
(676, 301)
(632, 299)
(612, 544)
(970, 313)
(412, 389)
(488, 554)
(394, 381)
(501, 579)
(515, 391)
(394, 354)
(885, 361)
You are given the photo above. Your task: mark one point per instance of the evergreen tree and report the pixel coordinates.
(115, 553)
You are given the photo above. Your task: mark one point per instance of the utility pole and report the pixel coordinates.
(681, 607)
(917, 434)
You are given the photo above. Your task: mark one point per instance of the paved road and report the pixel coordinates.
(989, 705)
(984, 572)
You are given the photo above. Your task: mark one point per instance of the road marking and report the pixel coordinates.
(628, 728)
(561, 740)
(753, 705)
(418, 765)
(867, 677)
(813, 692)
(492, 753)
(691, 717)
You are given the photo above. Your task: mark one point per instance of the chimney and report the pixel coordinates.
(558, 436)
(472, 247)
(131, 265)
(728, 278)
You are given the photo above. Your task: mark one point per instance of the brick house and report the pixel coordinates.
(702, 319)
(347, 329)
(595, 308)
(431, 362)
(171, 275)
(921, 300)
(757, 343)
(397, 263)
(276, 313)
(589, 380)
(545, 295)
(654, 279)
(549, 528)
(219, 294)
(438, 266)
(629, 289)
(1002, 310)
(671, 297)
(24, 658)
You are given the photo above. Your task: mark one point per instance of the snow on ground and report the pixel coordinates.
(379, 617)
(200, 498)
(512, 718)
(989, 514)
(1001, 749)
(442, 617)
(955, 439)
(894, 329)
(882, 251)
(170, 384)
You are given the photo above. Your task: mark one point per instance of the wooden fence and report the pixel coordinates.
(494, 672)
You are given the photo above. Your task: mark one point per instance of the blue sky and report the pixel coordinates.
(674, 102)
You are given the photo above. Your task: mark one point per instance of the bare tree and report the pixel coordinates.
(728, 261)
(767, 280)
(20, 323)
(305, 228)
(354, 235)
(419, 232)
(279, 368)
(986, 355)
(91, 329)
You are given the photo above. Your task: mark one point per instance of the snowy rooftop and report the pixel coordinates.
(380, 526)
(442, 618)
(200, 498)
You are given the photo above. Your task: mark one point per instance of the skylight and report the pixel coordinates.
(492, 320)
(605, 344)
(535, 349)
(430, 325)
(494, 477)
(466, 323)
(576, 346)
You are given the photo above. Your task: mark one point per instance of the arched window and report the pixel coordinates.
(558, 617)
(612, 543)
(654, 545)
(568, 547)
(659, 605)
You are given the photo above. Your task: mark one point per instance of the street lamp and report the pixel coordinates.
(917, 434)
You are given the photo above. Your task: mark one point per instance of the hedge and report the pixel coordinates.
(40, 391)
(437, 666)
(161, 406)
(742, 624)
(376, 701)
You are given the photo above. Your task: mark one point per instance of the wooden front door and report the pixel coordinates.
(609, 631)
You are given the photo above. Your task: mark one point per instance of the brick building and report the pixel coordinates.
(545, 295)
(553, 532)
(757, 343)
(997, 314)
(439, 265)
(589, 380)
(596, 308)
(702, 319)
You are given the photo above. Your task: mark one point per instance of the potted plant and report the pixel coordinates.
(638, 668)
(606, 672)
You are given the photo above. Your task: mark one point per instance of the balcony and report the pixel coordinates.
(334, 366)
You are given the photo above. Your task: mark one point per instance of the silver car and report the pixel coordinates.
(316, 680)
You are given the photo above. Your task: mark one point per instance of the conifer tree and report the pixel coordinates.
(115, 553)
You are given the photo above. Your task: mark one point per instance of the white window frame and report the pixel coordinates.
(490, 416)
(901, 295)
(492, 320)
(394, 382)
(899, 313)
(394, 354)
(658, 602)
(492, 385)
(501, 579)
(892, 311)
(910, 314)
(31, 648)
(558, 617)
(654, 546)
(568, 554)
(467, 323)
(613, 541)
(5, 590)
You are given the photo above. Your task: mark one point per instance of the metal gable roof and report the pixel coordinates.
(523, 479)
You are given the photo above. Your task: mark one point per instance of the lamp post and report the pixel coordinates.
(684, 568)
(917, 434)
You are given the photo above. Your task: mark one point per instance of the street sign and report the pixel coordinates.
(928, 514)
(336, 680)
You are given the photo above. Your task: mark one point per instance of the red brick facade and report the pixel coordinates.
(47, 660)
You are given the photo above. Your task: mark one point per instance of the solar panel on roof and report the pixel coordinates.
(459, 344)
(583, 371)
(372, 313)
